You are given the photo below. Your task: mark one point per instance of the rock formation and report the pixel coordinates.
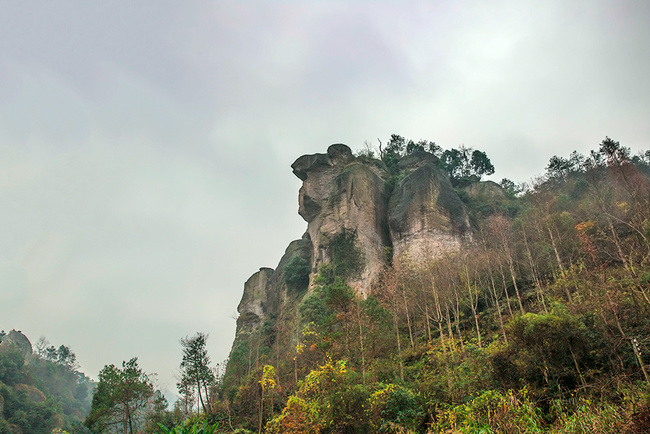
(17, 338)
(426, 216)
(360, 218)
(344, 196)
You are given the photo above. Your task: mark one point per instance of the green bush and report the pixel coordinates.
(296, 273)
(347, 259)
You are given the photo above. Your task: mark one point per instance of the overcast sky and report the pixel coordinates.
(145, 147)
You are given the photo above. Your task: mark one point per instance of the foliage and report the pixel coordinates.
(540, 324)
(463, 165)
(195, 428)
(545, 350)
(492, 412)
(347, 259)
(121, 399)
(297, 417)
(395, 407)
(296, 273)
(196, 374)
(37, 394)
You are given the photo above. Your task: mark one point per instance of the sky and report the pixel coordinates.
(145, 147)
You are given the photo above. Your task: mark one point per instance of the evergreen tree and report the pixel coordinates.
(195, 369)
(121, 399)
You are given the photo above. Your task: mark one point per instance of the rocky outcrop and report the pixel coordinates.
(343, 196)
(427, 218)
(420, 217)
(265, 289)
(253, 303)
(17, 338)
(488, 191)
(381, 216)
(360, 217)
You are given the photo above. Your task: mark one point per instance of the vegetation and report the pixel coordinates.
(462, 165)
(197, 378)
(540, 325)
(122, 400)
(347, 258)
(38, 393)
(296, 273)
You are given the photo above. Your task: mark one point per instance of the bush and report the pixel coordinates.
(347, 259)
(395, 408)
(492, 412)
(296, 273)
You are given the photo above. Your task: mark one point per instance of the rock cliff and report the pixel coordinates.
(342, 196)
(360, 218)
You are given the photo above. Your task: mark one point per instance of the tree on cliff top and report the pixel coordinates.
(463, 165)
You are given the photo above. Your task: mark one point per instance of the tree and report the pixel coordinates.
(195, 369)
(268, 382)
(121, 400)
(465, 165)
(66, 358)
(393, 152)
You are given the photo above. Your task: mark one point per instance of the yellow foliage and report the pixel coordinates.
(268, 378)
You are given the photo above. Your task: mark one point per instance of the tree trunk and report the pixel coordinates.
(533, 269)
(473, 304)
(399, 347)
(259, 428)
(449, 330)
(511, 266)
(198, 387)
(363, 357)
(493, 291)
(408, 319)
(505, 288)
(557, 253)
(457, 317)
(426, 316)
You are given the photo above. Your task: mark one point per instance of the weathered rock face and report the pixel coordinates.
(486, 191)
(253, 303)
(18, 339)
(427, 218)
(263, 291)
(422, 217)
(343, 195)
(419, 217)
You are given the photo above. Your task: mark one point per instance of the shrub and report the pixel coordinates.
(296, 273)
(347, 259)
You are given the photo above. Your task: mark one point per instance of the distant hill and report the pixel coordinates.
(40, 391)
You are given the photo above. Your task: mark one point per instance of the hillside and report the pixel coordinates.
(421, 299)
(40, 391)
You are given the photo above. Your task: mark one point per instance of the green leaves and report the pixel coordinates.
(204, 428)
(296, 273)
(119, 396)
(196, 373)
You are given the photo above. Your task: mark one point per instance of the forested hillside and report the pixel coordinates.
(42, 390)
(538, 324)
